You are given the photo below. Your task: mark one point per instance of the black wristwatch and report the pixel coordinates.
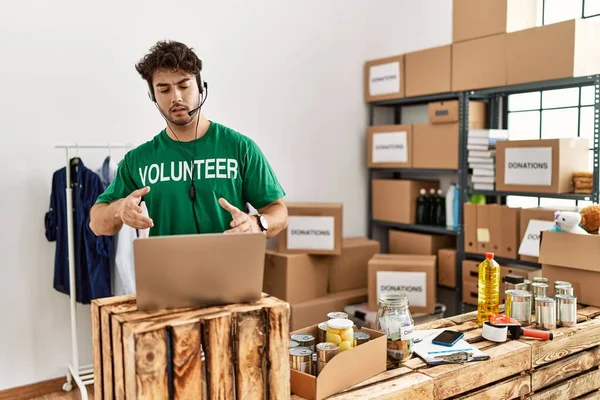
(262, 222)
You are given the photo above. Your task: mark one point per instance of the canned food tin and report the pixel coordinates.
(562, 283)
(538, 289)
(361, 338)
(518, 305)
(563, 289)
(305, 340)
(540, 279)
(566, 310)
(545, 312)
(301, 359)
(293, 344)
(322, 335)
(325, 352)
(337, 315)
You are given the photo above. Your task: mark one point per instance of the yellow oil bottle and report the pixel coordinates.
(489, 288)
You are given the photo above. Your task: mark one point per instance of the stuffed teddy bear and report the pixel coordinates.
(590, 218)
(568, 221)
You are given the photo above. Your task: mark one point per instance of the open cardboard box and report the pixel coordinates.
(346, 369)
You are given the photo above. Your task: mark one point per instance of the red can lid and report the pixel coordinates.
(489, 255)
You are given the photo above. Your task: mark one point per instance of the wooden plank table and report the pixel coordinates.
(564, 368)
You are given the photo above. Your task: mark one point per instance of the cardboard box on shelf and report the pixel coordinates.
(389, 146)
(529, 235)
(447, 267)
(444, 112)
(411, 274)
(470, 293)
(384, 79)
(315, 311)
(350, 270)
(470, 223)
(572, 258)
(541, 166)
(475, 18)
(479, 63)
(484, 239)
(504, 230)
(560, 50)
(435, 146)
(525, 272)
(344, 370)
(428, 71)
(470, 272)
(395, 200)
(313, 228)
(296, 278)
(401, 242)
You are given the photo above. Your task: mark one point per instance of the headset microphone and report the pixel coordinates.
(195, 110)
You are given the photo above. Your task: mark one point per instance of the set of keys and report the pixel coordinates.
(460, 357)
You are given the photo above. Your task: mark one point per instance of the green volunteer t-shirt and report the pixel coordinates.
(226, 164)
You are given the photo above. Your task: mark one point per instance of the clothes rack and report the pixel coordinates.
(83, 375)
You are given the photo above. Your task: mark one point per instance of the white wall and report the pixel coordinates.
(289, 75)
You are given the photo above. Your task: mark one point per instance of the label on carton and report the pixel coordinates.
(314, 233)
(413, 284)
(528, 166)
(530, 242)
(390, 147)
(384, 78)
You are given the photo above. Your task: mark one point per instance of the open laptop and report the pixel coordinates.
(198, 270)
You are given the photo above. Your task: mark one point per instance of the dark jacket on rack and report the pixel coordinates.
(92, 253)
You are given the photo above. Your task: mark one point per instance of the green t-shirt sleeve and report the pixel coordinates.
(121, 186)
(260, 185)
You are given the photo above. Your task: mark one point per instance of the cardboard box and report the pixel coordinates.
(428, 71)
(447, 267)
(526, 215)
(346, 369)
(401, 242)
(435, 146)
(561, 50)
(573, 258)
(384, 79)
(525, 272)
(475, 18)
(470, 293)
(315, 311)
(470, 271)
(541, 166)
(411, 274)
(350, 270)
(296, 277)
(484, 239)
(314, 228)
(395, 200)
(389, 146)
(470, 223)
(444, 112)
(504, 230)
(479, 63)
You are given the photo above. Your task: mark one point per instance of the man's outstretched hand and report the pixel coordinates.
(240, 221)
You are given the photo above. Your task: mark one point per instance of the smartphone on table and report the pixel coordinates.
(447, 338)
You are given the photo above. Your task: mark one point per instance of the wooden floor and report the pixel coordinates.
(72, 395)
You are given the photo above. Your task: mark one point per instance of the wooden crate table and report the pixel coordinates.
(226, 352)
(564, 368)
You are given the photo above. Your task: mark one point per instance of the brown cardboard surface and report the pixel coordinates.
(470, 222)
(470, 293)
(346, 369)
(527, 214)
(568, 156)
(383, 129)
(526, 272)
(349, 270)
(435, 146)
(495, 226)
(404, 263)
(428, 71)
(569, 250)
(447, 267)
(475, 18)
(402, 242)
(388, 96)
(444, 112)
(315, 311)
(585, 283)
(334, 210)
(470, 271)
(395, 200)
(484, 243)
(479, 63)
(560, 50)
(509, 232)
(296, 277)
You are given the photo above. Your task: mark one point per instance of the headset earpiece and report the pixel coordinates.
(151, 92)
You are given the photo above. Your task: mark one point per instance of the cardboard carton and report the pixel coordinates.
(401, 242)
(541, 166)
(445, 112)
(527, 215)
(428, 71)
(411, 274)
(384, 79)
(314, 228)
(479, 63)
(470, 293)
(296, 277)
(475, 18)
(395, 200)
(349, 270)
(435, 146)
(447, 267)
(470, 223)
(389, 146)
(561, 50)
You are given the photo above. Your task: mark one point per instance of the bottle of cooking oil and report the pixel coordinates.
(489, 288)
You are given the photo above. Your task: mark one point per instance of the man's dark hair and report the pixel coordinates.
(168, 55)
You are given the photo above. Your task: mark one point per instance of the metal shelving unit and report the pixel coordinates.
(436, 230)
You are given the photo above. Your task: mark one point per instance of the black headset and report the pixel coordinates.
(202, 87)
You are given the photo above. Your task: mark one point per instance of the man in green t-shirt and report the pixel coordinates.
(196, 175)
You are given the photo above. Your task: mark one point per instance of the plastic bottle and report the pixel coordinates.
(421, 207)
(431, 207)
(440, 209)
(488, 302)
(450, 199)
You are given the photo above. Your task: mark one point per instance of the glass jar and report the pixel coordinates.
(394, 319)
(341, 332)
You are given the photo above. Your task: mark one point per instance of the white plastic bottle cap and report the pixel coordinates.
(338, 323)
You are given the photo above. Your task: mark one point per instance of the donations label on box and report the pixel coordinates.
(390, 147)
(306, 232)
(530, 243)
(413, 284)
(528, 166)
(384, 78)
